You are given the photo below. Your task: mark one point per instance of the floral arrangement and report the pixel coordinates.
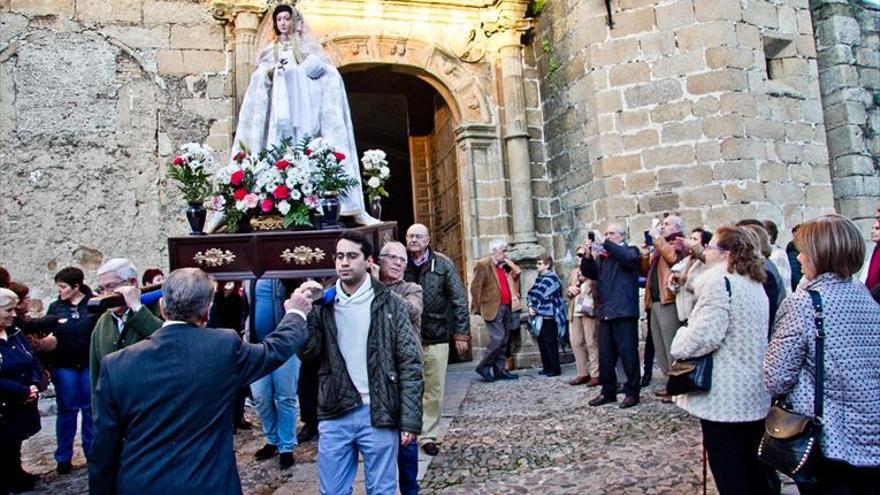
(283, 179)
(192, 169)
(376, 173)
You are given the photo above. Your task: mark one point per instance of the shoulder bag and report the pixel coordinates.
(687, 376)
(791, 440)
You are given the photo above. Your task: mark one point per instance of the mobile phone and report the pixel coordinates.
(591, 236)
(649, 241)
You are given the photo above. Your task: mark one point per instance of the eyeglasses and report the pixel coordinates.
(393, 257)
(416, 236)
(353, 255)
(580, 255)
(110, 287)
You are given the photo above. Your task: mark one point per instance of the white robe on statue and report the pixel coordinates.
(299, 100)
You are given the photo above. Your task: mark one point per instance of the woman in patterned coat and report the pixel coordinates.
(831, 251)
(732, 325)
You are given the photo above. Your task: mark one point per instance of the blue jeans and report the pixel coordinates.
(276, 402)
(72, 394)
(408, 468)
(339, 442)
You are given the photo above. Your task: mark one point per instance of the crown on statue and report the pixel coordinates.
(275, 3)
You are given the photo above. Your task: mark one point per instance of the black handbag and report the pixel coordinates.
(687, 376)
(791, 441)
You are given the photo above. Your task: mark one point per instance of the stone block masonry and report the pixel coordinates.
(683, 113)
(95, 96)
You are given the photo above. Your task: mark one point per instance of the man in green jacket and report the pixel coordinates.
(119, 327)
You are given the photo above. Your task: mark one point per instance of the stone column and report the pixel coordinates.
(244, 16)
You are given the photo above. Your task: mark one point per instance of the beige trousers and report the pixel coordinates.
(436, 357)
(584, 339)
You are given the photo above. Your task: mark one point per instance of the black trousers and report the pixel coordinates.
(10, 464)
(548, 345)
(619, 337)
(238, 405)
(840, 478)
(649, 350)
(307, 390)
(732, 449)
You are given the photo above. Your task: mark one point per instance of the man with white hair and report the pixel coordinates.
(669, 249)
(491, 298)
(119, 327)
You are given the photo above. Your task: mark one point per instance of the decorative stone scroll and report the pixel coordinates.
(214, 257)
(303, 255)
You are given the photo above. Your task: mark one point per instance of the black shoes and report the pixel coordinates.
(485, 374)
(267, 451)
(306, 434)
(629, 401)
(601, 400)
(243, 424)
(646, 380)
(431, 449)
(553, 373)
(286, 460)
(542, 372)
(505, 375)
(63, 467)
(23, 482)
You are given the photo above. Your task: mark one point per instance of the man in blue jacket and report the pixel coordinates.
(615, 267)
(163, 415)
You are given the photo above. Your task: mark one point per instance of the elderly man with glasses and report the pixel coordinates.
(119, 327)
(615, 267)
(445, 316)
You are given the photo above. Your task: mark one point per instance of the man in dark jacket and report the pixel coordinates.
(445, 314)
(370, 374)
(615, 268)
(163, 406)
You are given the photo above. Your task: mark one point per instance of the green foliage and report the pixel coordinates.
(536, 7)
(298, 215)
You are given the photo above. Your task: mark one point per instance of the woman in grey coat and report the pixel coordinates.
(831, 251)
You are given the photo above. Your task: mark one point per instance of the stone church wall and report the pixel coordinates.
(848, 42)
(706, 107)
(94, 97)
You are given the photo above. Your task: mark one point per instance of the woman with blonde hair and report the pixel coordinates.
(831, 251)
(20, 382)
(729, 321)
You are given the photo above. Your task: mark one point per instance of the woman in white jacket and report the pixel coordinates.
(729, 320)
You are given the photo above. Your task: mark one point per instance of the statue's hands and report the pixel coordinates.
(313, 66)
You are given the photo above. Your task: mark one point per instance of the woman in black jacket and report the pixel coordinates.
(71, 372)
(20, 378)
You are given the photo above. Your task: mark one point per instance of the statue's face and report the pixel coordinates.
(283, 23)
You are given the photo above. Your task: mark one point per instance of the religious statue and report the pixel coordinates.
(295, 91)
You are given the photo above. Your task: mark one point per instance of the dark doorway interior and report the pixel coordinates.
(386, 108)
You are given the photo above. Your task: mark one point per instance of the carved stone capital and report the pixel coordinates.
(227, 11)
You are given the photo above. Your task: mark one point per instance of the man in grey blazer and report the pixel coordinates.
(163, 409)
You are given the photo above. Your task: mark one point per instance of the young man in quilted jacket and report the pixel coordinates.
(369, 377)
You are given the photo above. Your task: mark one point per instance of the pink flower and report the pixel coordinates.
(339, 156)
(241, 155)
(178, 160)
(311, 201)
(308, 152)
(281, 192)
(251, 201)
(267, 205)
(236, 177)
(282, 164)
(218, 202)
(239, 194)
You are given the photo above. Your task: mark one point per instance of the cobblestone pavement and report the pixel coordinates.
(536, 435)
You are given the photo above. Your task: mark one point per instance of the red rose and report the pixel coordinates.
(281, 192)
(240, 156)
(239, 194)
(236, 177)
(178, 160)
(267, 205)
(282, 164)
(339, 156)
(308, 152)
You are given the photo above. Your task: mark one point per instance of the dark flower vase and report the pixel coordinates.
(376, 208)
(330, 205)
(196, 214)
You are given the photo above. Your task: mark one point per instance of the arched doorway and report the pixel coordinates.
(414, 124)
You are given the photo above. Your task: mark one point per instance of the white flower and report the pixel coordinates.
(384, 172)
(374, 182)
(218, 203)
(307, 188)
(295, 194)
(283, 207)
(240, 206)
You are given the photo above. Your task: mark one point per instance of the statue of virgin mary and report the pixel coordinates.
(295, 91)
